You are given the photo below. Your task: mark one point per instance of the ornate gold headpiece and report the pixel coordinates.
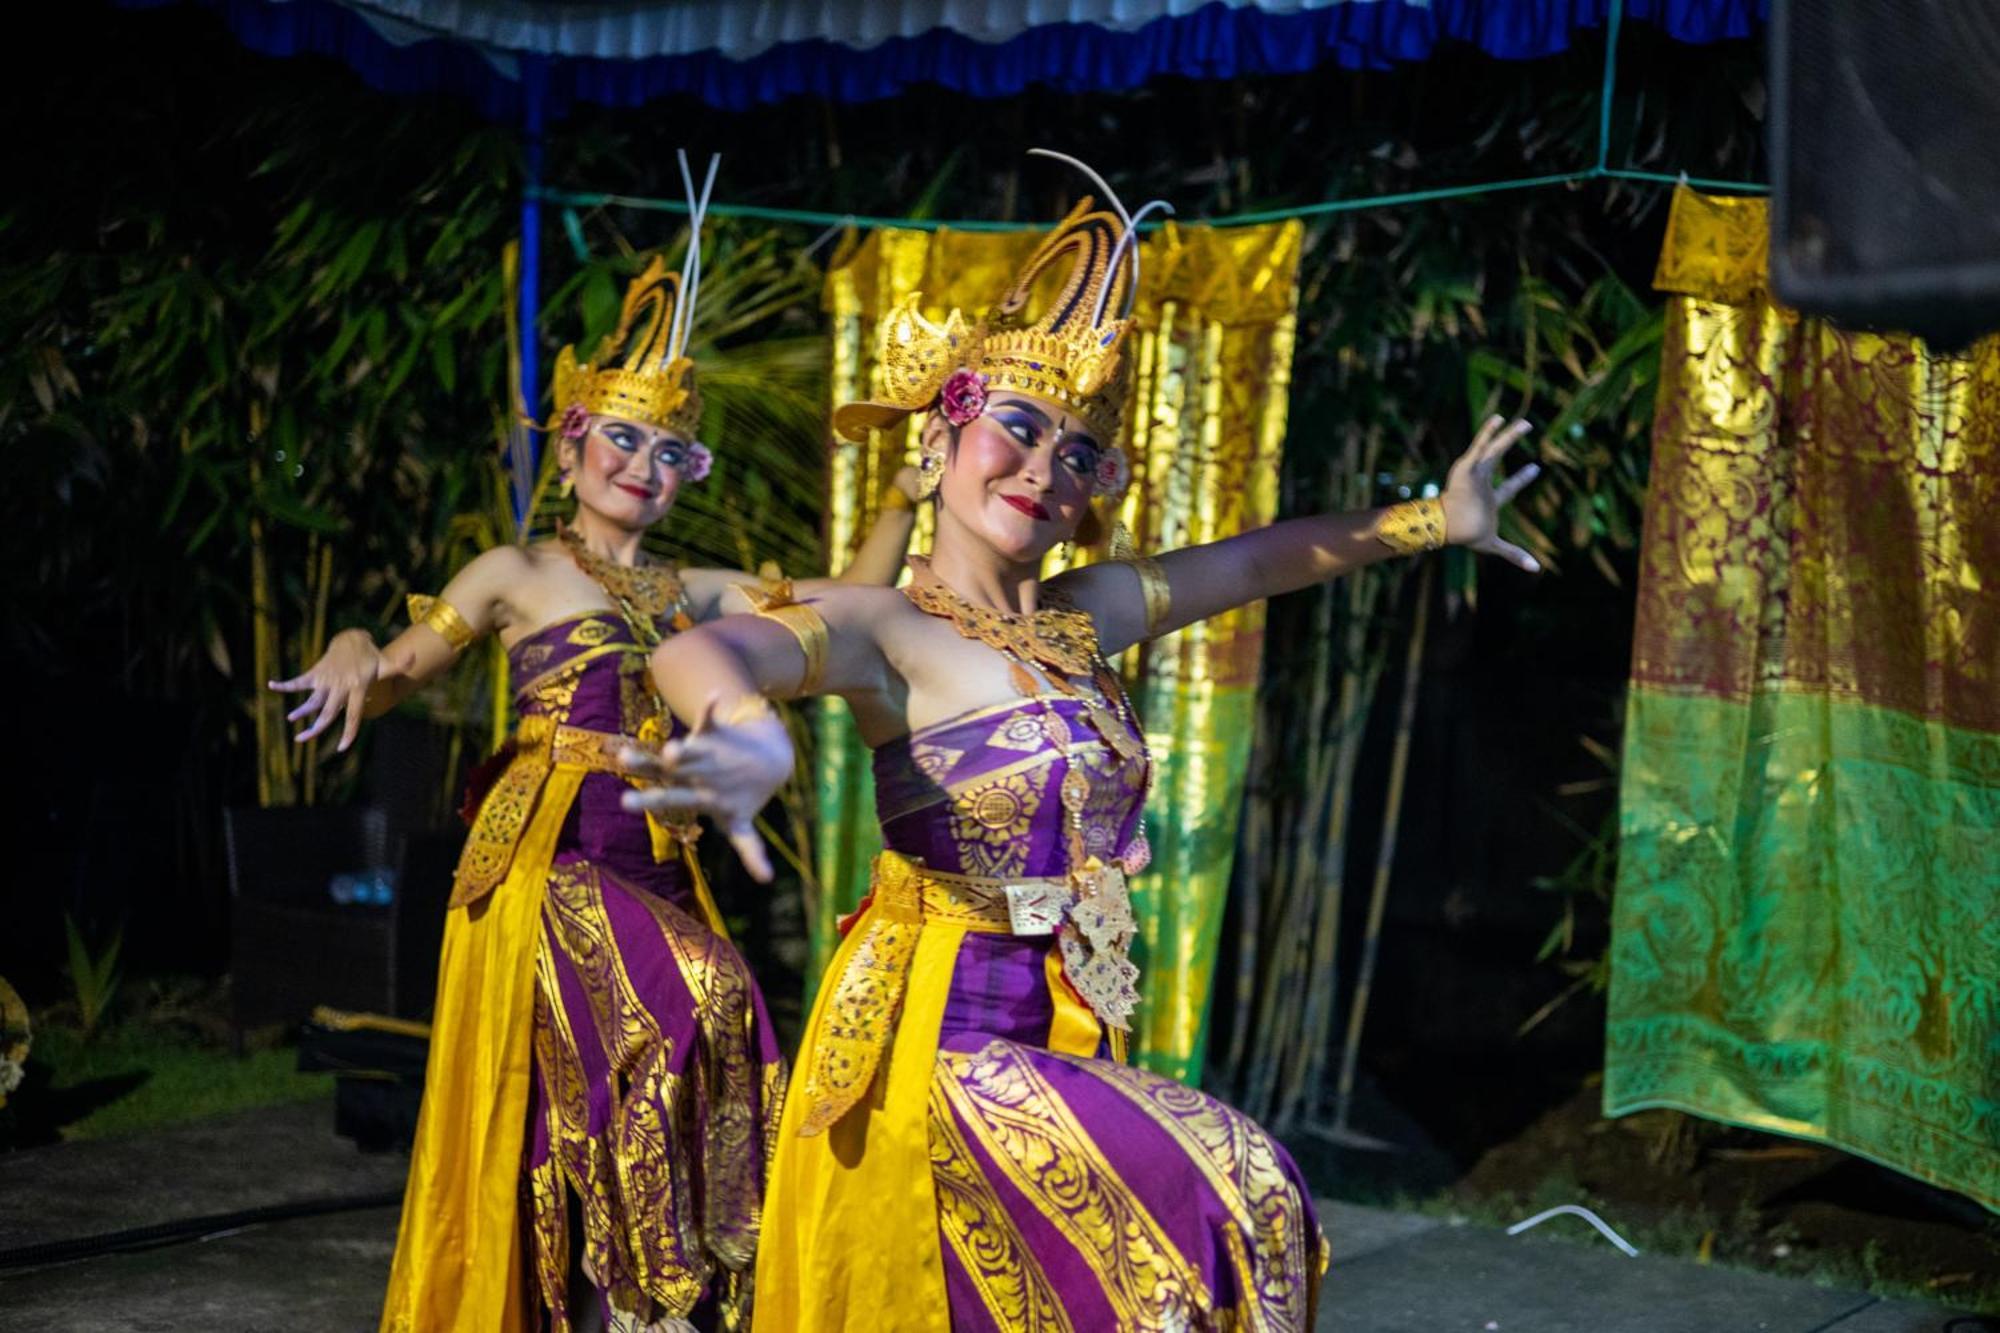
(656, 382)
(1070, 353)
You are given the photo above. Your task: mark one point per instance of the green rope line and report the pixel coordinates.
(572, 200)
(1609, 86)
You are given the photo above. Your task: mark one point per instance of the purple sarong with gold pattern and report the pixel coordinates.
(603, 1083)
(962, 1149)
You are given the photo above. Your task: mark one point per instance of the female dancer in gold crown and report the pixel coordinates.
(965, 1148)
(603, 1082)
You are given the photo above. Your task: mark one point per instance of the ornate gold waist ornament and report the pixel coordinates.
(1096, 941)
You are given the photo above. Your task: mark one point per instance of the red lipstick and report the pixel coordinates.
(639, 491)
(1027, 506)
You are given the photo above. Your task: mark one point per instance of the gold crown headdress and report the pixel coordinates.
(655, 385)
(1070, 354)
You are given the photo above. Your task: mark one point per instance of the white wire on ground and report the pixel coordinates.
(1583, 1213)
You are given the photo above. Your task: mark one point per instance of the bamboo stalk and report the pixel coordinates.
(1385, 856)
(315, 644)
(1296, 899)
(262, 667)
(274, 756)
(1360, 672)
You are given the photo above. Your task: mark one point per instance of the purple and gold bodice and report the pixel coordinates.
(980, 794)
(588, 671)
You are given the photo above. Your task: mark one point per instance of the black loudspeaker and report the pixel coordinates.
(1885, 156)
(378, 1074)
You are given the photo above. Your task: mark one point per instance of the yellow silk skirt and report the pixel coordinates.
(851, 1214)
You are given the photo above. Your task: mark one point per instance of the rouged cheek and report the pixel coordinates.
(606, 457)
(987, 451)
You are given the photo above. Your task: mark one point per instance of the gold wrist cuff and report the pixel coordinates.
(894, 499)
(438, 614)
(1158, 592)
(1412, 526)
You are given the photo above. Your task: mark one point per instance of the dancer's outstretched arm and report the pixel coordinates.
(1203, 581)
(716, 678)
(356, 680)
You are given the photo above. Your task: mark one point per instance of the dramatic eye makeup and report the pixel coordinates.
(667, 451)
(1024, 424)
(1080, 454)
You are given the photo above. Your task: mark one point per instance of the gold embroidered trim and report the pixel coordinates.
(1277, 1256)
(643, 594)
(1158, 592)
(1042, 1148)
(1056, 637)
(437, 614)
(541, 745)
(989, 1245)
(1413, 526)
(854, 1031)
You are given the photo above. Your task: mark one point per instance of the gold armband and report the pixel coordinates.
(774, 601)
(442, 616)
(894, 499)
(1158, 592)
(1412, 526)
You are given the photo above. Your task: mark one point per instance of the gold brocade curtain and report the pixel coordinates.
(1806, 935)
(1212, 371)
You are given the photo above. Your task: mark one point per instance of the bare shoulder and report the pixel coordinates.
(497, 567)
(707, 590)
(852, 603)
(1099, 589)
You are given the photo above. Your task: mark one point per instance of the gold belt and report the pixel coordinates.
(860, 1015)
(540, 746)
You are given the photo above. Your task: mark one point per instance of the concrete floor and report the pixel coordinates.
(1392, 1272)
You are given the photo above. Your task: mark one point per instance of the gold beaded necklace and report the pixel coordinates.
(1054, 646)
(643, 594)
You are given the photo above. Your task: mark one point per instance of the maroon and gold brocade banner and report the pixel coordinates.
(1211, 361)
(1806, 933)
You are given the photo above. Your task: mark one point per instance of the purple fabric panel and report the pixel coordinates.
(998, 989)
(924, 780)
(600, 831)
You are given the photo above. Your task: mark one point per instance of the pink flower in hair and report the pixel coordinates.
(575, 422)
(699, 461)
(1114, 474)
(963, 396)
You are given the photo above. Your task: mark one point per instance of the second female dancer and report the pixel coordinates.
(964, 1147)
(603, 1083)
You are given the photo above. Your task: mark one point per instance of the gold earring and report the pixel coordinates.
(930, 469)
(568, 485)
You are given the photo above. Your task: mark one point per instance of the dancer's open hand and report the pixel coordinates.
(339, 684)
(1474, 493)
(725, 770)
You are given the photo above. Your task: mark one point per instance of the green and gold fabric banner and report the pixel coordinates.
(1806, 935)
(1212, 360)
